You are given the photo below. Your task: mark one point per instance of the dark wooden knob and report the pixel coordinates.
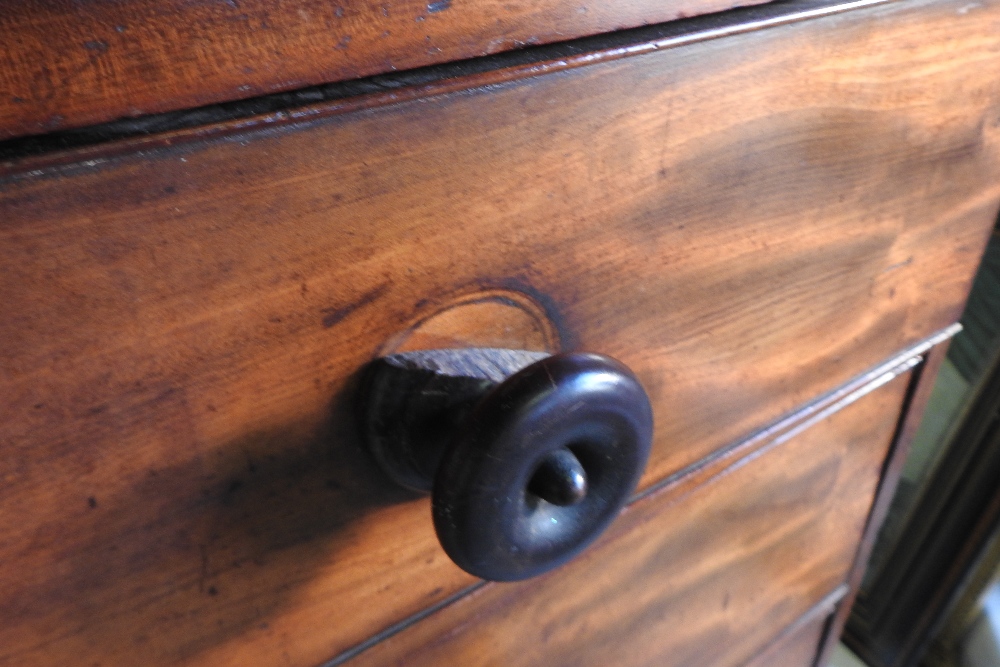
(528, 457)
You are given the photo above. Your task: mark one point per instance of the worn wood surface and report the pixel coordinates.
(65, 64)
(708, 578)
(182, 328)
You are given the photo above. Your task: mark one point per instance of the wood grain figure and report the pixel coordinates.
(185, 316)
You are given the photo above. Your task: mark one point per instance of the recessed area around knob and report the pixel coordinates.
(486, 318)
(560, 479)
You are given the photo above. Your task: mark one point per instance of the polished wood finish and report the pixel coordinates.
(700, 578)
(66, 65)
(183, 325)
(386, 216)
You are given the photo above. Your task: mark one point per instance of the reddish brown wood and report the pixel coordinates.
(72, 64)
(707, 578)
(182, 326)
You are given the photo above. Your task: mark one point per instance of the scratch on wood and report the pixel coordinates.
(333, 315)
(898, 265)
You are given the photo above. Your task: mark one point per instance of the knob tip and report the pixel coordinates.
(560, 479)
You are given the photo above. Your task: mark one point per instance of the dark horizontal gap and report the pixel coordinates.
(802, 415)
(396, 628)
(28, 146)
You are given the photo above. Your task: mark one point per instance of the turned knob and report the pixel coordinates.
(528, 456)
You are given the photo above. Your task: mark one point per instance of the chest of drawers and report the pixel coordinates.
(771, 216)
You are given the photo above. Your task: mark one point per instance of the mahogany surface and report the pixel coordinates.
(65, 64)
(183, 324)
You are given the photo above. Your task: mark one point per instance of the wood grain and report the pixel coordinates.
(68, 64)
(704, 579)
(182, 328)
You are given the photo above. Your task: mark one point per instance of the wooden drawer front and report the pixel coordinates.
(182, 479)
(66, 66)
(707, 578)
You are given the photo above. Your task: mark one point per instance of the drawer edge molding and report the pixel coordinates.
(802, 418)
(22, 157)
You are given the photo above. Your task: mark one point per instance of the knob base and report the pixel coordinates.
(412, 403)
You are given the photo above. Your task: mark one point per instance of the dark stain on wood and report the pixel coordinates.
(332, 316)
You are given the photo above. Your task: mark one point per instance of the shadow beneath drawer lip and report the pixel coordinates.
(204, 556)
